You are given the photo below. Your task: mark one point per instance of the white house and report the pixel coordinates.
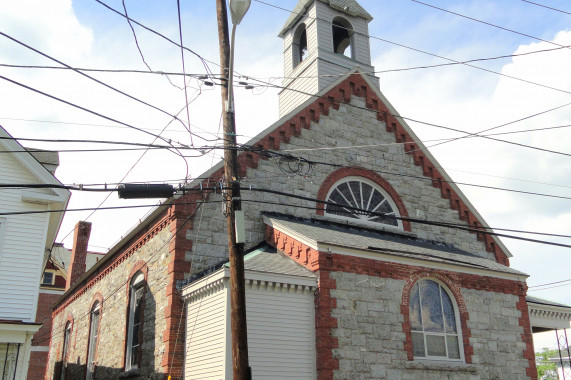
(27, 231)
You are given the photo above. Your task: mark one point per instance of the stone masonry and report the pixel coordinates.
(112, 291)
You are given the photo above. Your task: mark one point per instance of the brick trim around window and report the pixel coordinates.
(458, 299)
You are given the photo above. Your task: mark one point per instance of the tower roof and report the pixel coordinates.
(351, 7)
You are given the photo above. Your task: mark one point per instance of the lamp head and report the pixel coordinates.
(238, 9)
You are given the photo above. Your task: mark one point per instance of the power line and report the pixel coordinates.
(488, 23)
(504, 124)
(549, 283)
(130, 170)
(298, 159)
(183, 68)
(112, 142)
(113, 71)
(203, 60)
(468, 134)
(549, 287)
(139, 47)
(415, 220)
(545, 6)
(201, 76)
(419, 50)
(86, 110)
(478, 134)
(97, 80)
(482, 229)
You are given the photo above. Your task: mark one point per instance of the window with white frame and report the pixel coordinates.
(93, 334)
(361, 200)
(434, 322)
(48, 278)
(134, 322)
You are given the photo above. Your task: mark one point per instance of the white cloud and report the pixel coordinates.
(48, 25)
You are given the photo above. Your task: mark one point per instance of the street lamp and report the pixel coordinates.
(238, 9)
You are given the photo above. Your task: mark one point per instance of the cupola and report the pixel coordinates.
(323, 40)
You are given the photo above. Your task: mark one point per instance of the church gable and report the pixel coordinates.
(397, 162)
(348, 131)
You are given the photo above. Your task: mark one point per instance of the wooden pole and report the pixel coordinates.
(240, 363)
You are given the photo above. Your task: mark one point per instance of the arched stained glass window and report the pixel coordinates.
(356, 192)
(434, 327)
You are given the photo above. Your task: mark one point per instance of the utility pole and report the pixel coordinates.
(240, 364)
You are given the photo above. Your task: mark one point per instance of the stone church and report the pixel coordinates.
(364, 260)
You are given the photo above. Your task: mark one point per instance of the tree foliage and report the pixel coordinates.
(546, 369)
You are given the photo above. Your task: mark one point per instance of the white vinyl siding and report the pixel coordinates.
(297, 90)
(205, 336)
(23, 245)
(281, 329)
(281, 334)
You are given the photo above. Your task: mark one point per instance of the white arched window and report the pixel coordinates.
(342, 37)
(435, 327)
(352, 193)
(299, 47)
(134, 323)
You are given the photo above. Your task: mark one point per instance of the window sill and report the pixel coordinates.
(130, 373)
(441, 365)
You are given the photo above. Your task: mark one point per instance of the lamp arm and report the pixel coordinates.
(230, 102)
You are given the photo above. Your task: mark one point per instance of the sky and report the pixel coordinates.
(404, 35)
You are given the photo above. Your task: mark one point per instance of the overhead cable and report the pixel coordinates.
(545, 6)
(88, 110)
(422, 51)
(97, 80)
(482, 229)
(489, 24)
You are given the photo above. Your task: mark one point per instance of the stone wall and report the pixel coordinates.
(371, 337)
(111, 288)
(352, 124)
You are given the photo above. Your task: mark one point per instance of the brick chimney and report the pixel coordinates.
(78, 253)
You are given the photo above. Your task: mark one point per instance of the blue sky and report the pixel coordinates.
(86, 34)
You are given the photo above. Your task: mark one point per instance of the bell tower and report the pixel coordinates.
(323, 40)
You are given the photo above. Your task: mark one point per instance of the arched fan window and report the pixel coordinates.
(358, 193)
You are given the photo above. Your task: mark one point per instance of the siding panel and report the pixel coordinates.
(206, 334)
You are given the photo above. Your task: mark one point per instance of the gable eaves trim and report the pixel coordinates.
(29, 162)
(386, 256)
(364, 252)
(36, 197)
(431, 160)
(254, 279)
